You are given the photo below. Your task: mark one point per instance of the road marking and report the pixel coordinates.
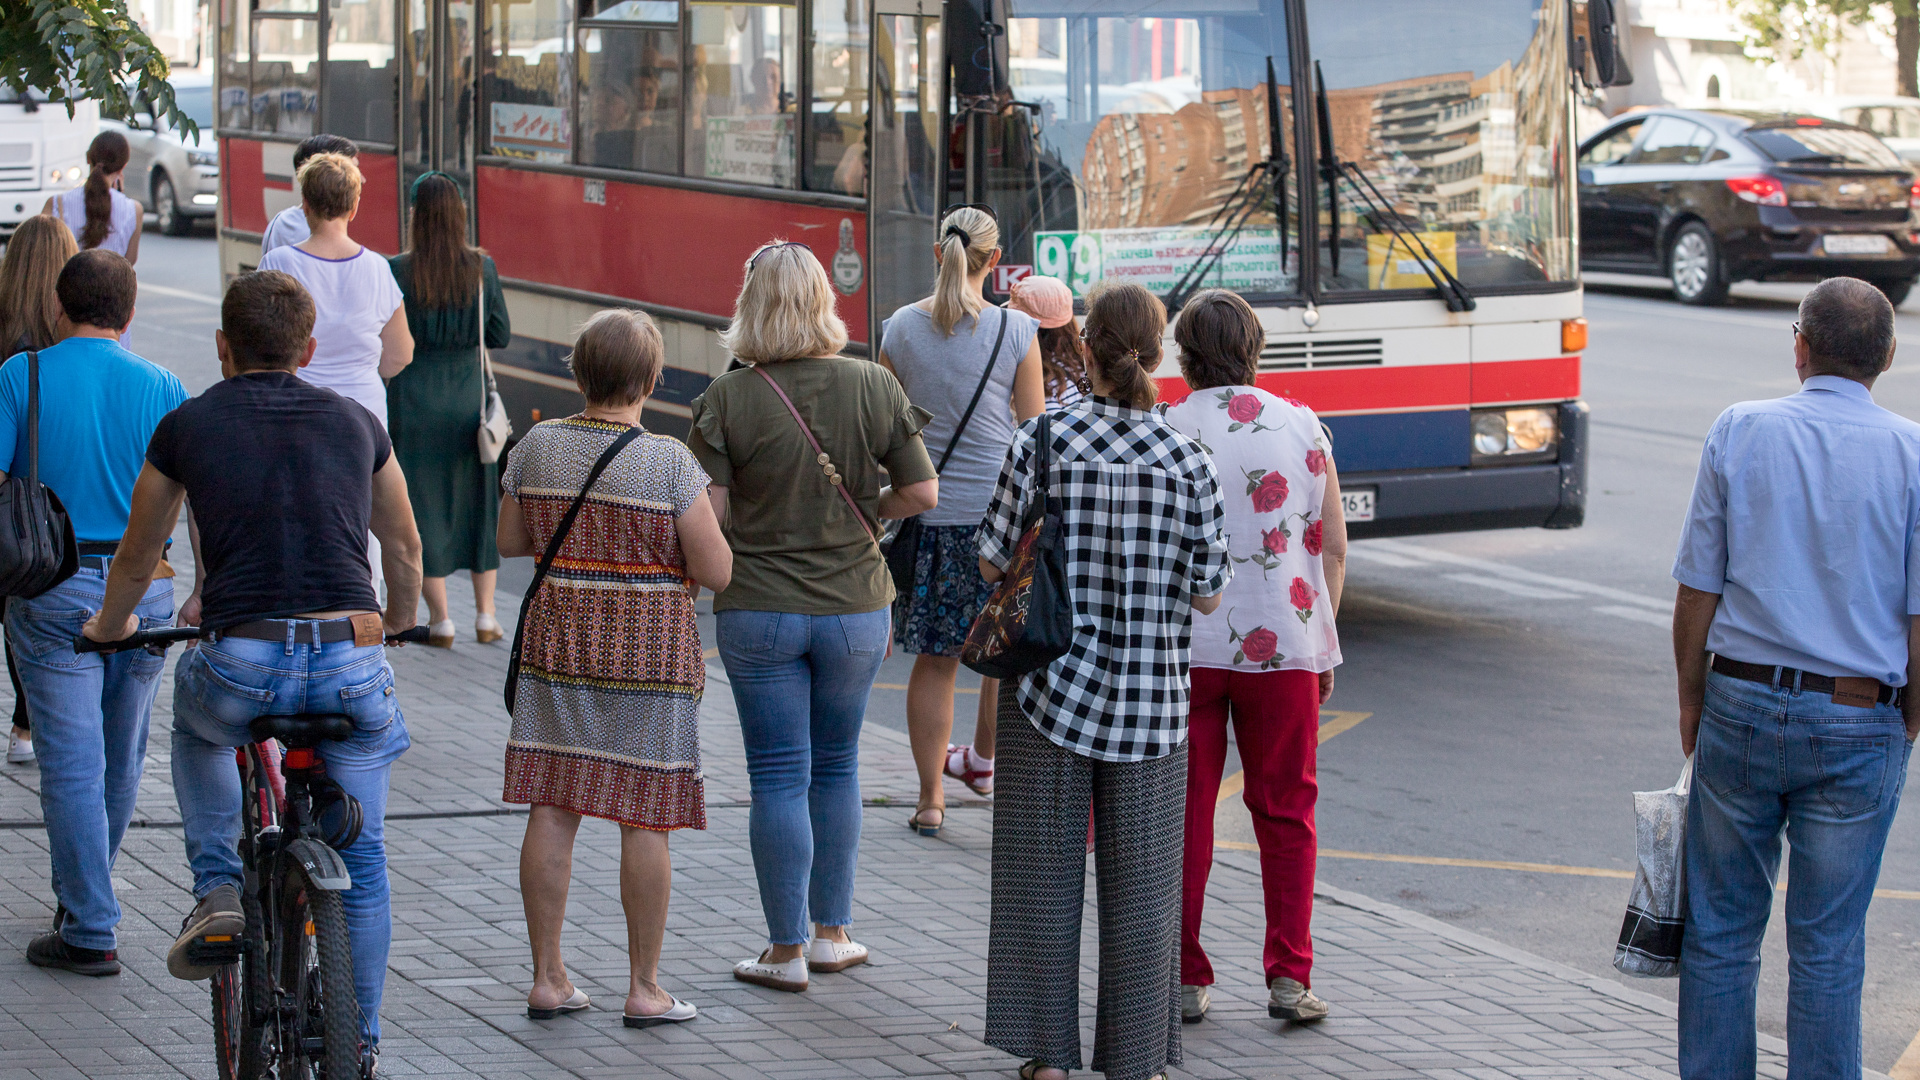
(1908, 1067)
(1530, 592)
(1514, 573)
(903, 686)
(1651, 618)
(181, 294)
(1332, 722)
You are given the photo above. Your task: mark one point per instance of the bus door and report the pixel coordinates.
(438, 107)
(908, 90)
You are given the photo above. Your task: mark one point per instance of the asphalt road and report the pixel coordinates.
(1504, 692)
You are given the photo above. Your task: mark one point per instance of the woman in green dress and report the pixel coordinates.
(433, 407)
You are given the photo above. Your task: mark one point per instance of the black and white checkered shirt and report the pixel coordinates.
(1145, 534)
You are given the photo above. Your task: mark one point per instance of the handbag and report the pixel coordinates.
(1657, 908)
(559, 537)
(495, 428)
(37, 548)
(1029, 622)
(820, 455)
(902, 545)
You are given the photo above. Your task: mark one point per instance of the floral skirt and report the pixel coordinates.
(948, 592)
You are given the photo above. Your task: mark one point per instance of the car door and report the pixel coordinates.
(1600, 229)
(1652, 184)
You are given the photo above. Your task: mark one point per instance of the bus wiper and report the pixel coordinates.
(1451, 290)
(1246, 199)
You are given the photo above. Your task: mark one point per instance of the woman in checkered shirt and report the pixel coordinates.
(1103, 727)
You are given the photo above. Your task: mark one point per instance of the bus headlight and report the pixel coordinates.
(1514, 433)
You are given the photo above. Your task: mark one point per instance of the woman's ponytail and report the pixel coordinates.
(968, 238)
(1124, 325)
(107, 155)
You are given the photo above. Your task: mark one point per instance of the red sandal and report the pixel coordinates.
(979, 781)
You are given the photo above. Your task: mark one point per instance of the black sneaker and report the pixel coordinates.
(52, 951)
(218, 917)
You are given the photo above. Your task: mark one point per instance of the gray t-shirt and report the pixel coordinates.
(939, 373)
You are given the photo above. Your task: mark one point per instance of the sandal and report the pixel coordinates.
(576, 1003)
(922, 827)
(959, 766)
(1031, 1070)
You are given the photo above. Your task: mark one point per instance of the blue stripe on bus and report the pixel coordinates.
(1380, 442)
(678, 386)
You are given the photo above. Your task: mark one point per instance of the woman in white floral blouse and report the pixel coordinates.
(1266, 657)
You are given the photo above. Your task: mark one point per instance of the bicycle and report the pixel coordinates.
(283, 1000)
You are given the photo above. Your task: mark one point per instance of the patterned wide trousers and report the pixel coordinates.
(1042, 794)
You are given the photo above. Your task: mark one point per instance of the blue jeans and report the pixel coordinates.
(1770, 761)
(222, 686)
(800, 683)
(90, 716)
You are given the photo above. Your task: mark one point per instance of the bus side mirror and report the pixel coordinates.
(1604, 44)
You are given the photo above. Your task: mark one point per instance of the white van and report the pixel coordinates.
(42, 152)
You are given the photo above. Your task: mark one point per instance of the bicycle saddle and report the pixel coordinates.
(303, 730)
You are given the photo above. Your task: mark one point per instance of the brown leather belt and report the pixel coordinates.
(1786, 676)
(305, 632)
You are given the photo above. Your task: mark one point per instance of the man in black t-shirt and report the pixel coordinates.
(286, 480)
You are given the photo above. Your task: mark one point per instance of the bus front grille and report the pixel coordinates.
(1315, 352)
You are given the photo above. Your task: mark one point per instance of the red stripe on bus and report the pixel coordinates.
(377, 225)
(660, 245)
(242, 179)
(1427, 386)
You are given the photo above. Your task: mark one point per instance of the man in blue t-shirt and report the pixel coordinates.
(99, 404)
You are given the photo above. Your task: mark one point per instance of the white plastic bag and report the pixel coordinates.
(1657, 908)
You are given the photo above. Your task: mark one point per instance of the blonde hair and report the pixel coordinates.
(35, 256)
(617, 357)
(785, 309)
(329, 185)
(968, 238)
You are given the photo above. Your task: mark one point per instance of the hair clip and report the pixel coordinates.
(965, 236)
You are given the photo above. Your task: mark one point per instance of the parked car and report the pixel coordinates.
(175, 176)
(1707, 198)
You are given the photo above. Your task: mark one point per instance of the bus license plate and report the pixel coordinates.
(1855, 245)
(1356, 504)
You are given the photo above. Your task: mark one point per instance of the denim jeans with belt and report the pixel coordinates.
(219, 689)
(90, 732)
(1773, 760)
(800, 683)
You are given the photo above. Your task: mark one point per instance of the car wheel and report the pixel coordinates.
(1693, 265)
(1895, 288)
(166, 211)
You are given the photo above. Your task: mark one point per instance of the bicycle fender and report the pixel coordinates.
(323, 864)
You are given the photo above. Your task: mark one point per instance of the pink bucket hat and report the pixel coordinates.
(1045, 298)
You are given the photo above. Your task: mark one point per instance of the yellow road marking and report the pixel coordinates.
(1908, 1067)
(903, 686)
(1332, 722)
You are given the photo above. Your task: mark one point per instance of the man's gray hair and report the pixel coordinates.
(1848, 325)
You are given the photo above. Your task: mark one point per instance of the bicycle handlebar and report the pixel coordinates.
(168, 635)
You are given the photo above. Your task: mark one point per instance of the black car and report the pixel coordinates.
(1708, 198)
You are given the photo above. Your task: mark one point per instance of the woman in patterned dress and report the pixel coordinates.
(604, 719)
(1267, 656)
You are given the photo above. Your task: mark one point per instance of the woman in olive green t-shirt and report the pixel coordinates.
(804, 624)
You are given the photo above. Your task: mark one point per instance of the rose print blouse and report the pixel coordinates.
(1271, 456)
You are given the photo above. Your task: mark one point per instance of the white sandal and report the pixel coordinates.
(790, 975)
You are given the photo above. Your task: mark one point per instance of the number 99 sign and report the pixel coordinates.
(1070, 256)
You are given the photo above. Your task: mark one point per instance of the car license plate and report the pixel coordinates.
(1872, 244)
(1356, 504)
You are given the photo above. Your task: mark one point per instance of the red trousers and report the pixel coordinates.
(1276, 723)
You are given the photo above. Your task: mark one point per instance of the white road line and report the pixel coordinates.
(1514, 573)
(180, 294)
(1651, 618)
(1531, 592)
(1366, 553)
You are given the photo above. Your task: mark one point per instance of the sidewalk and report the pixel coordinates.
(1411, 996)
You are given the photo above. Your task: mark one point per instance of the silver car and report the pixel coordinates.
(175, 176)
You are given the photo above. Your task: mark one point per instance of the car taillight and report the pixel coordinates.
(1764, 190)
(1913, 196)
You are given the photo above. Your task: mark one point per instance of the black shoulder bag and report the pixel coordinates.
(903, 546)
(540, 569)
(37, 549)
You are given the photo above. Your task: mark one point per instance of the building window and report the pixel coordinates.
(1713, 87)
(742, 92)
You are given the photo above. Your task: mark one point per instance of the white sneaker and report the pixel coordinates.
(1289, 1000)
(1194, 1003)
(790, 976)
(19, 750)
(826, 954)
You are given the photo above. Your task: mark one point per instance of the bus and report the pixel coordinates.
(43, 151)
(1388, 182)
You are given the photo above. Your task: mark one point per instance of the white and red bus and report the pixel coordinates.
(1388, 182)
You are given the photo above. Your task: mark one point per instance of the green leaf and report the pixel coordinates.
(1239, 657)
(70, 52)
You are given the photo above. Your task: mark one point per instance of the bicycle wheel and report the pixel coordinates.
(321, 1039)
(230, 1021)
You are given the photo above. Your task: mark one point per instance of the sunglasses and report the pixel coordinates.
(773, 247)
(980, 206)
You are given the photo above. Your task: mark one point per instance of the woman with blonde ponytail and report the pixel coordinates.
(977, 369)
(97, 212)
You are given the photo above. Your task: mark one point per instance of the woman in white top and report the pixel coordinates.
(1266, 656)
(944, 349)
(98, 214)
(360, 320)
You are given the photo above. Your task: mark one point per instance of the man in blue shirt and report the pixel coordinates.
(99, 405)
(1799, 573)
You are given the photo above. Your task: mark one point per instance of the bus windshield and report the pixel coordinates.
(1456, 117)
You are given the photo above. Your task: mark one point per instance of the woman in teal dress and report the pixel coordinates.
(433, 407)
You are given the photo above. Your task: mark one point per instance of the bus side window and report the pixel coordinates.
(837, 115)
(743, 85)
